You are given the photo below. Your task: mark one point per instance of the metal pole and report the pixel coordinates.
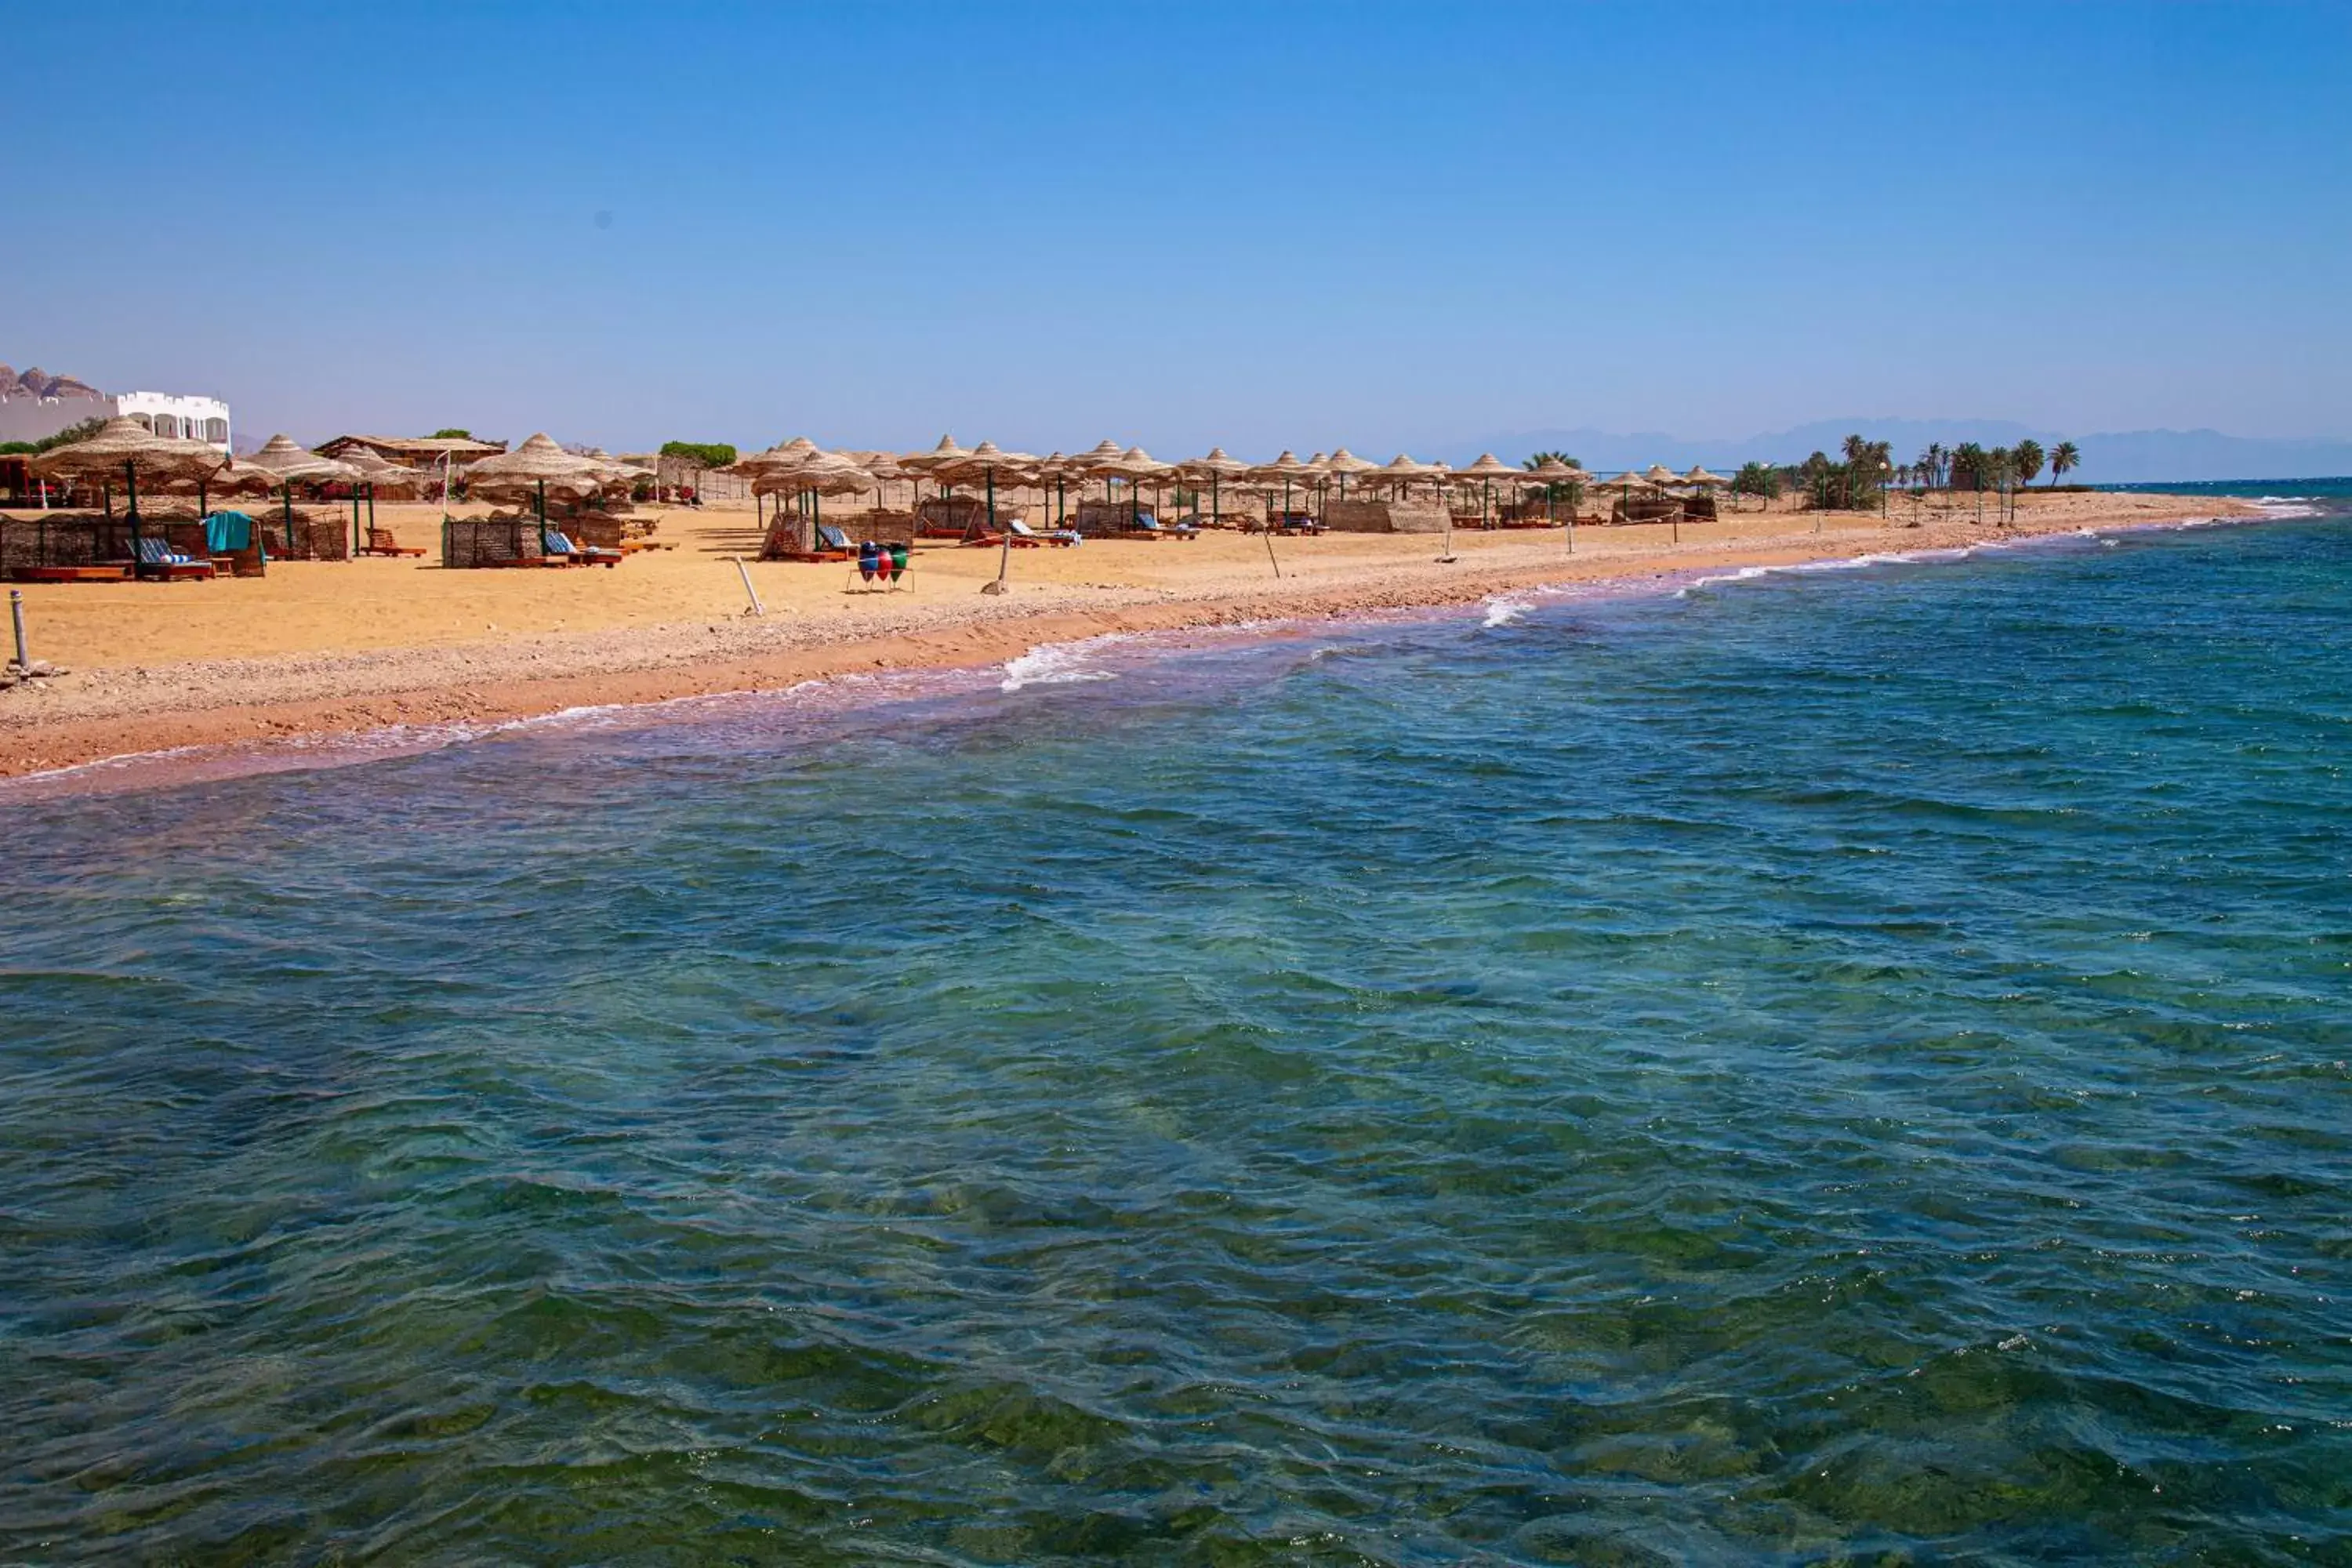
(17, 615)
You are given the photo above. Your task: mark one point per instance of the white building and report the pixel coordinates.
(190, 418)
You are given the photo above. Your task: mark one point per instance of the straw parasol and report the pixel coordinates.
(1343, 465)
(1286, 470)
(783, 455)
(944, 456)
(987, 460)
(1659, 474)
(537, 463)
(1551, 471)
(1486, 469)
(1699, 477)
(287, 463)
(124, 444)
(1216, 467)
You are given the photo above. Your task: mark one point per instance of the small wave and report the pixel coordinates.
(1503, 612)
(1059, 664)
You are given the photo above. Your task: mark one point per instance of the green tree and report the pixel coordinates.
(453, 434)
(1970, 465)
(81, 431)
(1557, 492)
(2065, 458)
(1761, 480)
(2026, 456)
(1819, 477)
(709, 454)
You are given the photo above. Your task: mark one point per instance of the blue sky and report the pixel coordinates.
(1388, 225)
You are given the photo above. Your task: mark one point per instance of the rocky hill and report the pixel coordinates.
(39, 383)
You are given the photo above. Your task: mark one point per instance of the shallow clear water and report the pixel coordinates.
(1838, 1063)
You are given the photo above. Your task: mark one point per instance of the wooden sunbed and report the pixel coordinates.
(379, 542)
(70, 574)
(158, 562)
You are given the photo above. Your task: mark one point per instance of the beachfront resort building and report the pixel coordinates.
(34, 406)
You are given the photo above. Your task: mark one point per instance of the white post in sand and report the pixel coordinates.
(751, 593)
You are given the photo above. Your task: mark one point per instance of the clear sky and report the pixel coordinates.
(1391, 226)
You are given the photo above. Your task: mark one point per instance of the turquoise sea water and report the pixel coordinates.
(1831, 1066)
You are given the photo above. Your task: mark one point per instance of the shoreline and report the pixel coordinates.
(116, 715)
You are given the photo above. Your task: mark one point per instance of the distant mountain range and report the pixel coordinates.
(2110, 458)
(37, 383)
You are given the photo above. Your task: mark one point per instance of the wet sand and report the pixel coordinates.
(323, 647)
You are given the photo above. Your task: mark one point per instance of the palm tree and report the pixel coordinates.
(2065, 458)
(1761, 480)
(2028, 454)
(1568, 492)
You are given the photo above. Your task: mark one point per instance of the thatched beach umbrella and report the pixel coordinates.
(1661, 476)
(1552, 472)
(789, 454)
(537, 462)
(1486, 469)
(126, 447)
(1343, 465)
(1285, 471)
(1216, 467)
(826, 473)
(885, 466)
(1054, 470)
(1100, 462)
(292, 463)
(989, 461)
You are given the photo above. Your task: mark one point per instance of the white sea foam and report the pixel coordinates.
(1503, 612)
(1060, 664)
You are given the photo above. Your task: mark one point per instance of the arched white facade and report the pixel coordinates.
(191, 418)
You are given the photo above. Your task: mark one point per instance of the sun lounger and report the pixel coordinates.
(559, 544)
(70, 575)
(158, 560)
(832, 544)
(1023, 534)
(1152, 528)
(379, 542)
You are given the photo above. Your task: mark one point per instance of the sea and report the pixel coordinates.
(1834, 1065)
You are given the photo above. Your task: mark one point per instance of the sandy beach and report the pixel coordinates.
(355, 645)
